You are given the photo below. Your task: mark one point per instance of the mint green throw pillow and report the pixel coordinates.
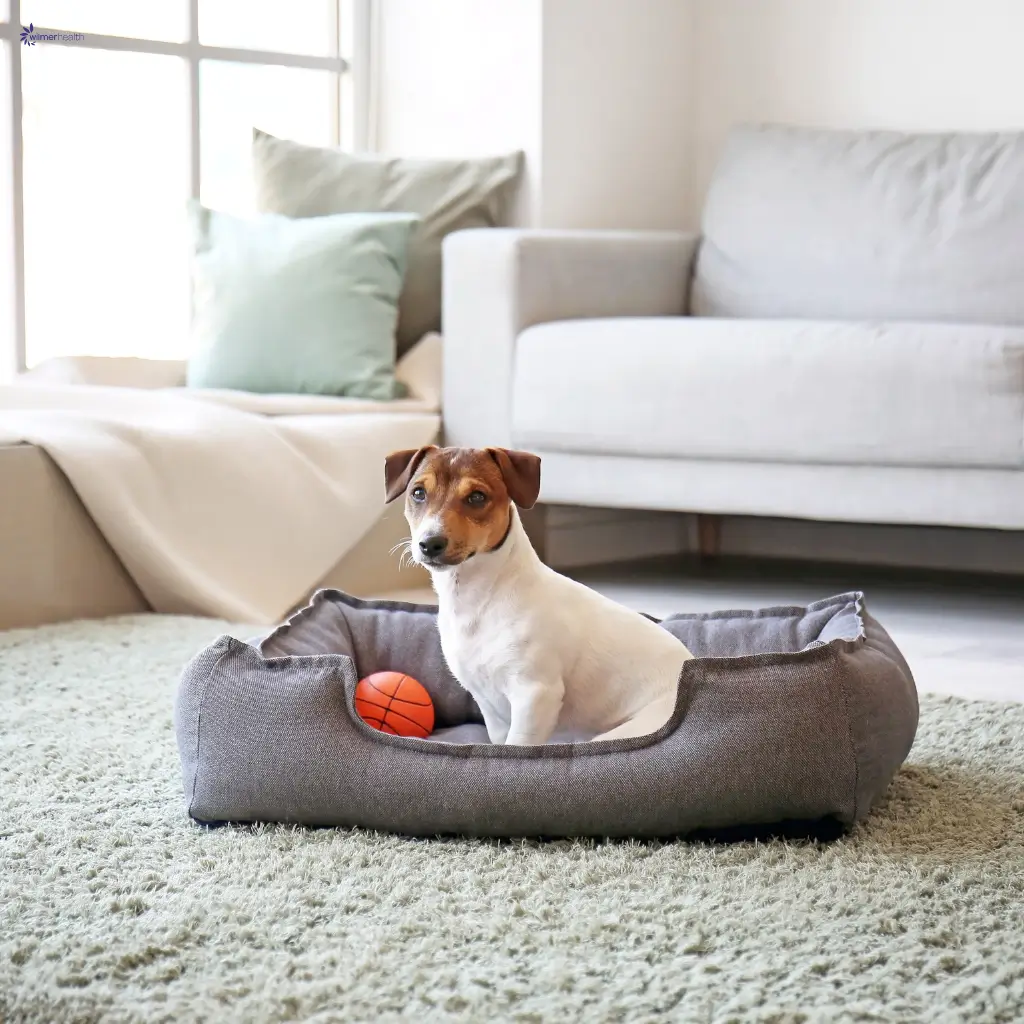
(297, 306)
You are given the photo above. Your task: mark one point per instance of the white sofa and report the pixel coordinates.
(844, 341)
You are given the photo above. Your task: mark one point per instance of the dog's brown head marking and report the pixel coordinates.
(458, 501)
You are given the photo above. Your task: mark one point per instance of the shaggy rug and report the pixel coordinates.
(114, 907)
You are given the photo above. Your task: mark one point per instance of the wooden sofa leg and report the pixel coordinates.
(709, 535)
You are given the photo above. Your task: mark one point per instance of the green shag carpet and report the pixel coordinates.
(114, 907)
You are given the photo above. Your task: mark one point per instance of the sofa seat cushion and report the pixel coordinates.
(814, 223)
(771, 390)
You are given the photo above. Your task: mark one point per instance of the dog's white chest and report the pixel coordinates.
(481, 657)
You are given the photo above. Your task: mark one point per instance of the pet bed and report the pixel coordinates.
(784, 714)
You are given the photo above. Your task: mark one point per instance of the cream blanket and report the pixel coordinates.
(219, 504)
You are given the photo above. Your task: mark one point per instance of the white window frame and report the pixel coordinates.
(192, 51)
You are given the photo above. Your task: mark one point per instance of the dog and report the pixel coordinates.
(546, 658)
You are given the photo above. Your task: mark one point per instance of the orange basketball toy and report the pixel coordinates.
(395, 703)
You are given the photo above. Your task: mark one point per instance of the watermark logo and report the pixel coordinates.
(31, 35)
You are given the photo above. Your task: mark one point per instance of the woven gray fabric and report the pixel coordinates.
(784, 714)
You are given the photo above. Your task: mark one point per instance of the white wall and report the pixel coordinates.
(911, 64)
(460, 78)
(596, 92)
(616, 113)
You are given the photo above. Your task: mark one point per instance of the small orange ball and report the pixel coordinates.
(395, 703)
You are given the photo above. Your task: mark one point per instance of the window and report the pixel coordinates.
(127, 108)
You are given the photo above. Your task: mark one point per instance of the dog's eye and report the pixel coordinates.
(476, 498)
(419, 494)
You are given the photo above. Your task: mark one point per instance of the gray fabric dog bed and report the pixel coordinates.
(784, 714)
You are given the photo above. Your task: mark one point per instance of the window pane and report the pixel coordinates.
(140, 19)
(7, 293)
(294, 103)
(347, 28)
(287, 26)
(106, 183)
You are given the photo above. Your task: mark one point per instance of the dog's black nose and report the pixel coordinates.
(433, 545)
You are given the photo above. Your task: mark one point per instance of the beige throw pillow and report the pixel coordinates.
(447, 195)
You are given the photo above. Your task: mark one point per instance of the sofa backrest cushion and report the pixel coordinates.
(878, 225)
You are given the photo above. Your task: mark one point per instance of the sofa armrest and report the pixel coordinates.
(498, 282)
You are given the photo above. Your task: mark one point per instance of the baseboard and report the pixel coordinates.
(572, 537)
(575, 537)
(917, 547)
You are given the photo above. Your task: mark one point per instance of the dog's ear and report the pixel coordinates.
(399, 468)
(521, 473)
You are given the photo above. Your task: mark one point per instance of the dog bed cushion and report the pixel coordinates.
(783, 714)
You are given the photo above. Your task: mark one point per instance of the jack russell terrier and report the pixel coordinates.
(545, 658)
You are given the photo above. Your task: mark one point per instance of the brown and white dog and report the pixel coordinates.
(545, 658)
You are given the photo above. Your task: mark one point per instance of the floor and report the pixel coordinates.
(114, 908)
(962, 634)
